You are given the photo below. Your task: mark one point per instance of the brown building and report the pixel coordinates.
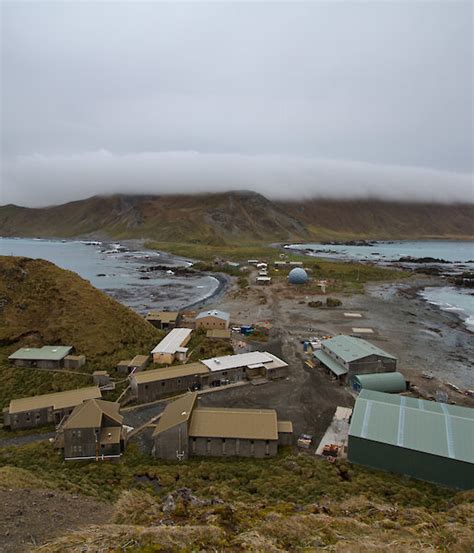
(46, 357)
(94, 430)
(138, 363)
(218, 334)
(164, 320)
(186, 430)
(101, 378)
(74, 361)
(158, 383)
(210, 320)
(245, 366)
(172, 347)
(30, 412)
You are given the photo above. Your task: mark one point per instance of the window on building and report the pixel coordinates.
(163, 383)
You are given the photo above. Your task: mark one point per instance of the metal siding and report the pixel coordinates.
(416, 464)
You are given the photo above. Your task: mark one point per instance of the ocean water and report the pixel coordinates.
(118, 273)
(454, 251)
(459, 254)
(455, 300)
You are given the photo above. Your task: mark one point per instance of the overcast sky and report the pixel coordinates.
(288, 99)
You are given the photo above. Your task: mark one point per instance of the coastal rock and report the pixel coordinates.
(410, 259)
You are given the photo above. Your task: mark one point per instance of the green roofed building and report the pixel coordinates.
(344, 356)
(47, 357)
(393, 383)
(423, 439)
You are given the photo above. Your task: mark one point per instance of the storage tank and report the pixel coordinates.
(298, 276)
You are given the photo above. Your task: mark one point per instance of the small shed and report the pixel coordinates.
(74, 361)
(122, 366)
(393, 383)
(101, 378)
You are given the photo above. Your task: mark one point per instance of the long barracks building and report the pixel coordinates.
(159, 383)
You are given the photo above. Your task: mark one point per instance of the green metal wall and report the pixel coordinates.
(423, 466)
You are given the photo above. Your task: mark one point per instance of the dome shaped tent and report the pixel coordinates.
(298, 276)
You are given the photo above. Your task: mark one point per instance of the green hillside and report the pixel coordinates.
(43, 304)
(235, 217)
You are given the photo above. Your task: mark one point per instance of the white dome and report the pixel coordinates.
(298, 276)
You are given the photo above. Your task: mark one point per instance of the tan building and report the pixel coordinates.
(30, 412)
(172, 347)
(74, 361)
(186, 430)
(138, 363)
(211, 320)
(94, 430)
(158, 383)
(245, 366)
(164, 320)
(218, 334)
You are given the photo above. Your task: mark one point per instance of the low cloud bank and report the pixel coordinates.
(39, 180)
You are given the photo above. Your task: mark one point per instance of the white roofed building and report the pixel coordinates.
(173, 346)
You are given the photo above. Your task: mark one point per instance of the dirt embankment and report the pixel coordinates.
(33, 517)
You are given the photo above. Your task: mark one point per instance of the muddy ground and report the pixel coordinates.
(33, 517)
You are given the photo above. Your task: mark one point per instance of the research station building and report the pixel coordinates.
(172, 347)
(214, 319)
(94, 430)
(46, 357)
(423, 439)
(185, 430)
(31, 412)
(344, 356)
(155, 384)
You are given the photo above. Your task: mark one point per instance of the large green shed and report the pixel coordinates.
(423, 439)
(392, 383)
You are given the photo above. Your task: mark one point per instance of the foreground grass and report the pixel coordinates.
(292, 502)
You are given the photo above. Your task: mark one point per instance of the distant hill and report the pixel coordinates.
(236, 216)
(43, 304)
(381, 219)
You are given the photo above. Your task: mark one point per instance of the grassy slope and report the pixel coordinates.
(346, 219)
(291, 502)
(43, 304)
(235, 217)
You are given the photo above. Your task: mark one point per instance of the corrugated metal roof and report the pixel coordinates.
(285, 427)
(177, 371)
(350, 348)
(330, 363)
(58, 400)
(46, 353)
(172, 341)
(163, 316)
(435, 428)
(89, 414)
(214, 313)
(393, 382)
(243, 360)
(139, 360)
(176, 412)
(250, 424)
